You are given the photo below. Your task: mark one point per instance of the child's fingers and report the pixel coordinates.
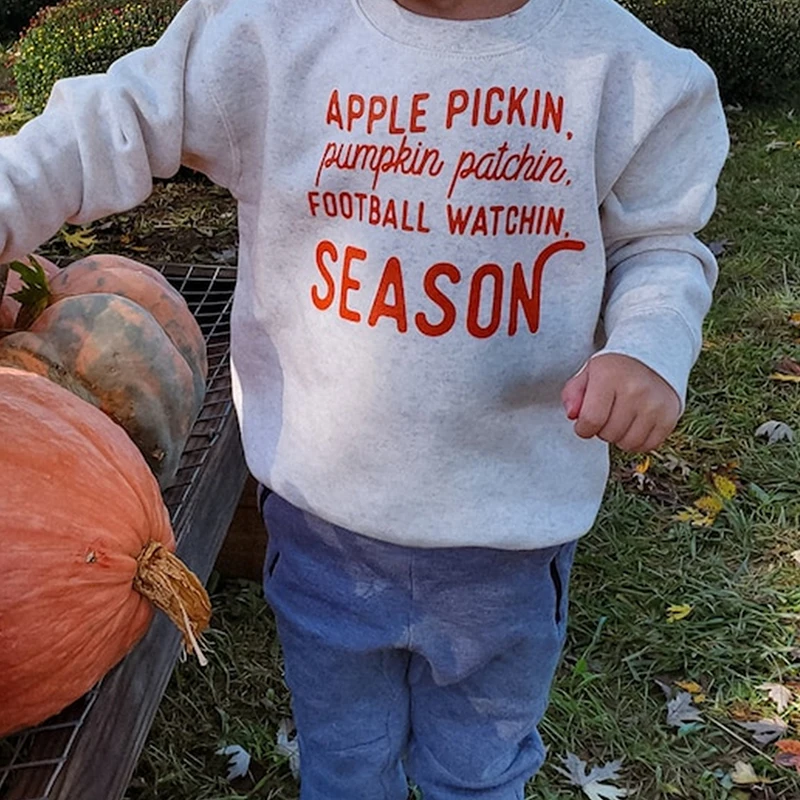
(573, 392)
(596, 408)
(620, 421)
(637, 436)
(657, 437)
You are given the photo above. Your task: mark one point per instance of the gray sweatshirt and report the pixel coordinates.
(440, 222)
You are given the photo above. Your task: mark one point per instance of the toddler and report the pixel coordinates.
(467, 263)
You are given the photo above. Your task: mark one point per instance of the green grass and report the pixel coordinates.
(738, 575)
(238, 699)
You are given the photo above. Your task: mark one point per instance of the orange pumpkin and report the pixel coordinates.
(116, 333)
(85, 550)
(112, 352)
(145, 286)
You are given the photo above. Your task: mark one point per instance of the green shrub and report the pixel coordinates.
(752, 45)
(81, 37)
(14, 16)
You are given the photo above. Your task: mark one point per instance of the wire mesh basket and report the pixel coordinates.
(31, 763)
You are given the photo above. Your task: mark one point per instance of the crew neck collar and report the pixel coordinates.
(475, 37)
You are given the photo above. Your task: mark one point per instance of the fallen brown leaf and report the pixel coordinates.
(595, 783)
(765, 731)
(775, 431)
(681, 710)
(743, 774)
(741, 711)
(779, 695)
(789, 755)
(788, 366)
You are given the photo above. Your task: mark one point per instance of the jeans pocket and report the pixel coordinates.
(270, 564)
(269, 577)
(560, 568)
(555, 577)
(273, 554)
(271, 559)
(262, 493)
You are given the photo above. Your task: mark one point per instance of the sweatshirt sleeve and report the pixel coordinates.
(660, 276)
(102, 138)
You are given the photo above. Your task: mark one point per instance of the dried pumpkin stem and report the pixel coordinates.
(170, 585)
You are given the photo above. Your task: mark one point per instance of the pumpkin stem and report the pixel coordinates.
(34, 296)
(170, 585)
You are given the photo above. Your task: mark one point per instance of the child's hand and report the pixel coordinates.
(623, 402)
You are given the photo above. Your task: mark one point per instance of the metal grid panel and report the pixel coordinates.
(40, 753)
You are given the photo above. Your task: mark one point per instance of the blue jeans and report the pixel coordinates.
(431, 663)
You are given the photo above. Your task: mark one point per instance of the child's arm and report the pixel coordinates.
(102, 138)
(660, 277)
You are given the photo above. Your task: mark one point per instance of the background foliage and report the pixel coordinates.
(752, 45)
(81, 37)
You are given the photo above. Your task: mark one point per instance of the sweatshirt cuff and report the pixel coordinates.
(661, 340)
